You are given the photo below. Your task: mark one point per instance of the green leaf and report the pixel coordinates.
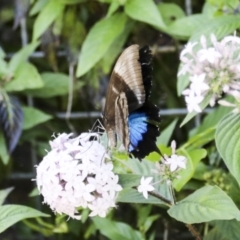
(200, 170)
(116, 230)
(202, 105)
(209, 10)
(69, 2)
(2, 53)
(4, 193)
(149, 222)
(220, 26)
(21, 56)
(33, 117)
(184, 27)
(144, 168)
(34, 192)
(26, 77)
(214, 234)
(129, 195)
(182, 81)
(163, 140)
(228, 142)
(145, 11)
(37, 7)
(166, 134)
(51, 80)
(3, 68)
(170, 12)
(46, 17)
(228, 229)
(116, 47)
(129, 180)
(112, 8)
(3, 150)
(212, 119)
(204, 205)
(98, 41)
(10, 214)
(200, 139)
(193, 158)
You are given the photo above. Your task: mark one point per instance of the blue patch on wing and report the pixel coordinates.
(137, 127)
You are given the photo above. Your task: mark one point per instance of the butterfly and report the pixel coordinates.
(128, 116)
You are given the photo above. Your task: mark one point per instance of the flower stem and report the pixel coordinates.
(167, 201)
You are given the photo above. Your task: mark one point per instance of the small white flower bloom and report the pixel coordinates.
(58, 142)
(145, 186)
(213, 100)
(213, 39)
(193, 102)
(83, 190)
(98, 207)
(226, 103)
(235, 105)
(112, 187)
(176, 162)
(185, 68)
(198, 86)
(209, 54)
(203, 41)
(233, 39)
(173, 146)
(188, 49)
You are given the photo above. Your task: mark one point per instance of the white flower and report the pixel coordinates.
(176, 162)
(235, 105)
(83, 190)
(203, 41)
(188, 49)
(98, 207)
(198, 85)
(193, 102)
(209, 54)
(185, 68)
(145, 186)
(226, 103)
(58, 142)
(75, 174)
(112, 186)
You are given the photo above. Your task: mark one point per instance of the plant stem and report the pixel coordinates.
(194, 231)
(167, 201)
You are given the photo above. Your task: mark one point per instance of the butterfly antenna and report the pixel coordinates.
(97, 127)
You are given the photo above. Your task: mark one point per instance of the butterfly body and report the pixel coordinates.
(127, 110)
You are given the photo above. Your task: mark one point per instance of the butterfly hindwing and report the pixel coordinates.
(143, 130)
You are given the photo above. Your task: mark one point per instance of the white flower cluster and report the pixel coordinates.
(168, 169)
(75, 174)
(212, 70)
